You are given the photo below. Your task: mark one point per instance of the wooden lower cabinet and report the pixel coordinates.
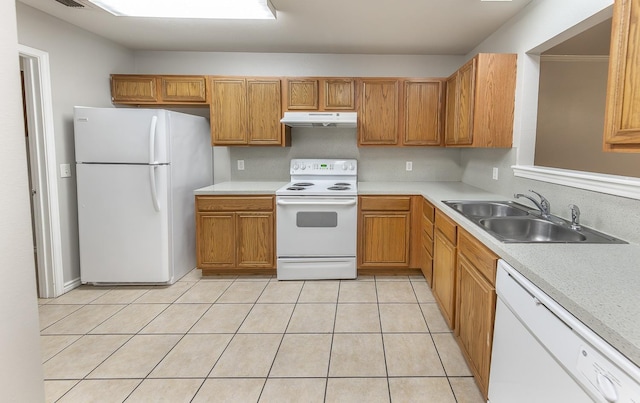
(444, 266)
(236, 233)
(426, 241)
(389, 234)
(475, 306)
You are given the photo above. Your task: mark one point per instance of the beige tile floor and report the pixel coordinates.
(228, 339)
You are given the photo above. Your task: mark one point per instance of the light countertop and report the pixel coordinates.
(598, 283)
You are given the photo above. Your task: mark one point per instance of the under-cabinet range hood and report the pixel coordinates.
(320, 119)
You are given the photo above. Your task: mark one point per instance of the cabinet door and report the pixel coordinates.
(422, 112)
(215, 240)
(475, 317)
(622, 120)
(451, 103)
(378, 112)
(184, 89)
(133, 89)
(465, 88)
(384, 239)
(302, 94)
(264, 112)
(339, 94)
(228, 111)
(255, 240)
(444, 276)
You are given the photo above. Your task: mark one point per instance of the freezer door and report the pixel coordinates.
(124, 223)
(129, 136)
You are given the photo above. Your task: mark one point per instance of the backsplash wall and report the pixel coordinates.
(374, 163)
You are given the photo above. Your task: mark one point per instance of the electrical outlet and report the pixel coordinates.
(409, 166)
(65, 170)
(240, 165)
(495, 173)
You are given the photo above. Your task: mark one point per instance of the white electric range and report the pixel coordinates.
(317, 216)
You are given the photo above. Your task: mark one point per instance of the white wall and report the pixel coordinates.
(21, 376)
(80, 66)
(541, 25)
(272, 163)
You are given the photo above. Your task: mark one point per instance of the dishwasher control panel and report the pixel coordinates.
(603, 379)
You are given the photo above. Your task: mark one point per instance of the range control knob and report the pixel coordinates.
(352, 167)
(344, 166)
(303, 167)
(295, 167)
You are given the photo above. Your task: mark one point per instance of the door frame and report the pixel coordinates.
(47, 224)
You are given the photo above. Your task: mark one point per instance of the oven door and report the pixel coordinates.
(316, 226)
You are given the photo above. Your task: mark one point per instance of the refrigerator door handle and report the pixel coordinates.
(152, 140)
(154, 190)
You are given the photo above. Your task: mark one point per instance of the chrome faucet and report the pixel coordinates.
(543, 205)
(575, 217)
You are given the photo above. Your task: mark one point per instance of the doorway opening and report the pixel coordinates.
(40, 149)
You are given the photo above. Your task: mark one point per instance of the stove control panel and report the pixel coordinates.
(323, 167)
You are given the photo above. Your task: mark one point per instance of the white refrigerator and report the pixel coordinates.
(136, 171)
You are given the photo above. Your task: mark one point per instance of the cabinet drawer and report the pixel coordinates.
(478, 254)
(214, 203)
(385, 203)
(428, 211)
(427, 242)
(427, 226)
(446, 226)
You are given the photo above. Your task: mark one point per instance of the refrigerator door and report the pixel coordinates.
(125, 136)
(124, 223)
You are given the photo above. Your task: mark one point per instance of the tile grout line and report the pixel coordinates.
(333, 333)
(384, 351)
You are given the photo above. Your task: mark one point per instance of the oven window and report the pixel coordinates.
(316, 219)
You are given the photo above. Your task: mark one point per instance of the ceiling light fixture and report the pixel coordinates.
(213, 9)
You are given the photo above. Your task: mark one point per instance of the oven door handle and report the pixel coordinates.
(319, 203)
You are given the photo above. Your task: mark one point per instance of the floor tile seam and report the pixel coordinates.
(234, 334)
(70, 313)
(435, 346)
(333, 334)
(168, 305)
(424, 317)
(384, 352)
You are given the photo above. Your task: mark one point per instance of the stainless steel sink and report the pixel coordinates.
(489, 208)
(529, 229)
(511, 222)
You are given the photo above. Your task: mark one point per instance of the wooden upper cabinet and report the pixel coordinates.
(302, 94)
(378, 111)
(228, 111)
(422, 107)
(264, 113)
(184, 88)
(129, 89)
(158, 90)
(622, 116)
(480, 102)
(246, 111)
(319, 94)
(338, 94)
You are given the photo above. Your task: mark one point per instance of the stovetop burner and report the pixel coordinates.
(339, 187)
(303, 184)
(341, 184)
(296, 188)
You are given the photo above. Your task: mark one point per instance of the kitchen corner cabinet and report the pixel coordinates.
(444, 266)
(158, 90)
(400, 111)
(476, 305)
(622, 120)
(480, 99)
(319, 94)
(246, 111)
(426, 241)
(384, 224)
(235, 232)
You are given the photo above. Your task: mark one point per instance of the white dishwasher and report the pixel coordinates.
(543, 354)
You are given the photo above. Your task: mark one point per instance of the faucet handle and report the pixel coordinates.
(575, 217)
(546, 206)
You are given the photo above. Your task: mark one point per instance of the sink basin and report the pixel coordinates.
(530, 229)
(488, 208)
(512, 222)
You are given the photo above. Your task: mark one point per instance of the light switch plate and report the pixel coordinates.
(240, 165)
(409, 166)
(495, 173)
(65, 170)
